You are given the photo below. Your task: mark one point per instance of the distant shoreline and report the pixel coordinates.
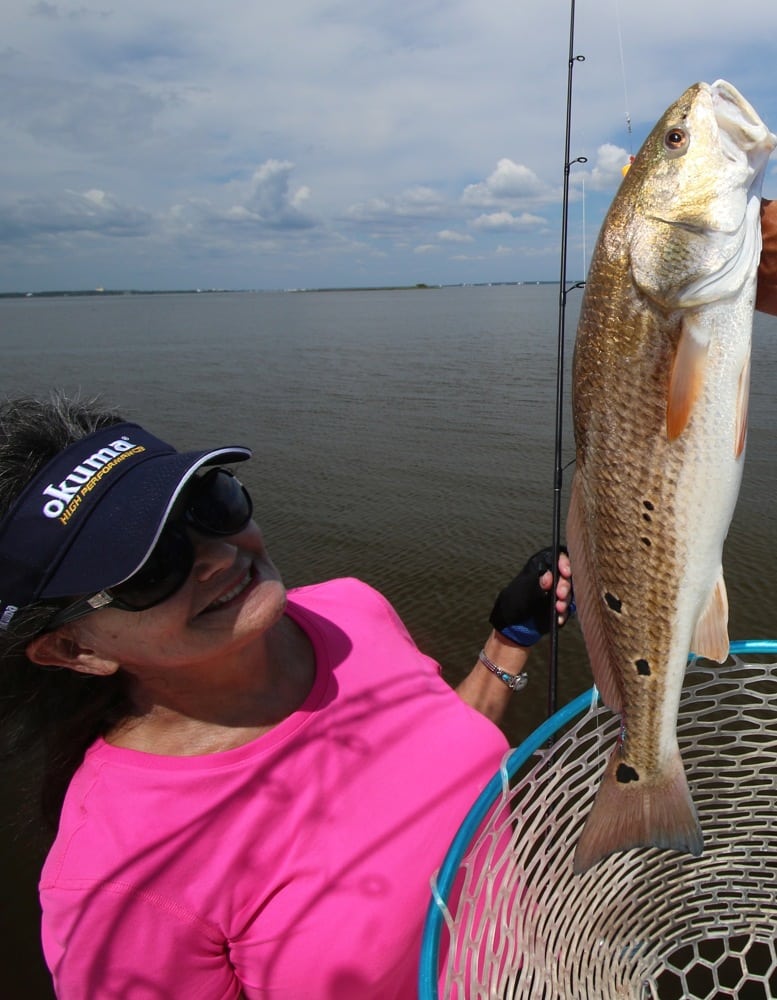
(102, 292)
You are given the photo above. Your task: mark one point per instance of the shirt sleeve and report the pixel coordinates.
(115, 943)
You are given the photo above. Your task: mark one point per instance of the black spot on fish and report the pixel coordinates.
(625, 774)
(647, 517)
(646, 541)
(612, 602)
(643, 667)
(648, 505)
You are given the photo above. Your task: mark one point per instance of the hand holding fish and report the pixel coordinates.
(766, 293)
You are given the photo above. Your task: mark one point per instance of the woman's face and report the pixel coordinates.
(232, 597)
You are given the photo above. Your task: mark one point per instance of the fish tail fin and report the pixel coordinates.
(633, 810)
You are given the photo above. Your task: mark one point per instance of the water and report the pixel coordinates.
(405, 437)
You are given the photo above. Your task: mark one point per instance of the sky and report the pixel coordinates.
(269, 144)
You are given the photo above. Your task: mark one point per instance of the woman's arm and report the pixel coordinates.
(522, 614)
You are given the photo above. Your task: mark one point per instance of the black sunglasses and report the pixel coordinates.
(215, 504)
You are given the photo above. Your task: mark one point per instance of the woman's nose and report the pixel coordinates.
(211, 555)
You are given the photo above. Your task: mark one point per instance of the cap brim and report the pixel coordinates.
(116, 540)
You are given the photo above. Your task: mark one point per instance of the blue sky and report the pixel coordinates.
(310, 143)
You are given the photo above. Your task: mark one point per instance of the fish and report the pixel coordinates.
(660, 380)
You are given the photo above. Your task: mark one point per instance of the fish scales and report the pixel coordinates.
(629, 490)
(660, 378)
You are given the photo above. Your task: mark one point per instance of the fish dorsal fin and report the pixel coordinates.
(710, 637)
(687, 376)
(743, 400)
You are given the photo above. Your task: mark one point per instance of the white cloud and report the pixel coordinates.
(415, 203)
(505, 221)
(452, 236)
(266, 206)
(607, 172)
(509, 182)
(92, 211)
(405, 131)
(271, 201)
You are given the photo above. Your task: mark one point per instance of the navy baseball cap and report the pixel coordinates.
(91, 517)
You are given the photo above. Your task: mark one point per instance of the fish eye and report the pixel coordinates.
(676, 140)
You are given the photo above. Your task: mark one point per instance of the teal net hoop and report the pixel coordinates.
(508, 918)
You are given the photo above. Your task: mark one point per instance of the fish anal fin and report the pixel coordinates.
(647, 811)
(686, 379)
(589, 603)
(710, 637)
(743, 402)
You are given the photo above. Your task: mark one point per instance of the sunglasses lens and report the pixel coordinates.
(161, 575)
(219, 504)
(216, 504)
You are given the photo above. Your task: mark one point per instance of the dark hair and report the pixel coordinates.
(48, 715)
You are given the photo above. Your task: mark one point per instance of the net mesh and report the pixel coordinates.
(644, 923)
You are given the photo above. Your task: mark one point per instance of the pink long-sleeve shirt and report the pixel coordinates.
(294, 867)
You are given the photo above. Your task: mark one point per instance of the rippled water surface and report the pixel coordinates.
(405, 437)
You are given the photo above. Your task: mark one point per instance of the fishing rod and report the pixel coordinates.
(563, 291)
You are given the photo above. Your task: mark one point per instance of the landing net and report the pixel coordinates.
(510, 920)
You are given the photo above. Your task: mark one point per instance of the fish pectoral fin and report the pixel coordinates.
(687, 376)
(710, 637)
(639, 810)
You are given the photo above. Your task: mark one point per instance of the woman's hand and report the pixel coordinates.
(766, 291)
(523, 611)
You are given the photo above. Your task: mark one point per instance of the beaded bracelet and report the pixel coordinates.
(516, 682)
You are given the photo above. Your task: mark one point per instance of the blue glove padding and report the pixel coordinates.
(525, 634)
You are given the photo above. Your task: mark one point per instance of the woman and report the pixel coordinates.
(259, 784)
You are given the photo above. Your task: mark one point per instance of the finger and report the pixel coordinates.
(546, 580)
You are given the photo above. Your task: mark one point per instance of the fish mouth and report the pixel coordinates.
(740, 125)
(745, 140)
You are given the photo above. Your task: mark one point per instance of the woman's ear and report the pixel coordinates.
(60, 649)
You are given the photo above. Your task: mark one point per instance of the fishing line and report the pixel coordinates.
(623, 74)
(585, 254)
(563, 291)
